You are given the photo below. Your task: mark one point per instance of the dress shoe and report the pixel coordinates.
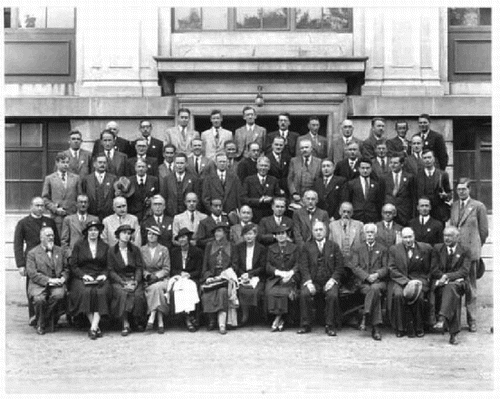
(472, 327)
(141, 328)
(453, 339)
(376, 334)
(98, 332)
(211, 326)
(230, 327)
(304, 330)
(330, 331)
(161, 330)
(93, 334)
(32, 321)
(40, 330)
(420, 333)
(149, 327)
(190, 326)
(222, 330)
(439, 326)
(281, 325)
(400, 333)
(125, 332)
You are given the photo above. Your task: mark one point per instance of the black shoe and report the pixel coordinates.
(453, 339)
(472, 327)
(161, 330)
(376, 334)
(141, 328)
(93, 334)
(400, 333)
(304, 330)
(32, 321)
(40, 330)
(420, 333)
(330, 331)
(211, 326)
(98, 332)
(125, 332)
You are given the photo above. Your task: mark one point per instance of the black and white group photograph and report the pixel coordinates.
(226, 200)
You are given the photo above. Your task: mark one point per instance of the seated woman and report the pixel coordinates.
(125, 272)
(282, 269)
(156, 260)
(217, 259)
(246, 215)
(187, 262)
(90, 291)
(249, 263)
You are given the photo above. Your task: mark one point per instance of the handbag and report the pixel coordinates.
(213, 286)
(480, 269)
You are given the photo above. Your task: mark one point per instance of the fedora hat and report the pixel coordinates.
(412, 290)
(124, 227)
(93, 223)
(184, 232)
(124, 186)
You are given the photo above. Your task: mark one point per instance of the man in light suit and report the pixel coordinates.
(250, 133)
(329, 189)
(98, 186)
(399, 144)
(269, 224)
(388, 231)
(160, 220)
(304, 169)
(346, 232)
(80, 160)
(119, 217)
(155, 146)
(119, 144)
(319, 143)
(339, 145)
(141, 149)
(377, 132)
(181, 136)
(47, 270)
(189, 219)
(197, 162)
(230, 149)
(470, 217)
(304, 218)
(60, 190)
(289, 136)
(215, 137)
(117, 161)
(73, 225)
(433, 141)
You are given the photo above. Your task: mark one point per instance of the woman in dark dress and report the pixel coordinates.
(89, 289)
(249, 263)
(125, 272)
(282, 269)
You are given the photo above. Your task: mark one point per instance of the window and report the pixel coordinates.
(39, 17)
(194, 19)
(262, 18)
(332, 19)
(469, 17)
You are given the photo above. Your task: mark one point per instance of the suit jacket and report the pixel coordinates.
(243, 137)
(396, 146)
(355, 230)
(210, 146)
(344, 170)
(302, 224)
(190, 183)
(173, 136)
(239, 260)
(330, 197)
(194, 262)
(413, 165)
(366, 210)
(388, 237)
(431, 232)
(472, 225)
(40, 268)
(297, 172)
(155, 150)
(439, 182)
(232, 166)
(55, 195)
(267, 227)
(82, 262)
(80, 165)
(253, 190)
(165, 226)
(460, 263)
(138, 202)
(402, 269)
(202, 167)
(204, 234)
(151, 163)
(184, 220)
(368, 148)
(319, 145)
(99, 205)
(230, 193)
(159, 264)
(71, 231)
(378, 169)
(118, 165)
(280, 170)
(290, 142)
(121, 145)
(435, 142)
(339, 147)
(112, 222)
(246, 167)
(309, 261)
(405, 198)
(362, 266)
(119, 272)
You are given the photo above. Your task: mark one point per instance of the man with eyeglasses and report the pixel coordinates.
(155, 146)
(160, 220)
(119, 217)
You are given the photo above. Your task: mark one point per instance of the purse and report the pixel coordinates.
(213, 286)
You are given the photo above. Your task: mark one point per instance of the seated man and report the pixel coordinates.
(450, 265)
(369, 265)
(205, 232)
(304, 218)
(47, 270)
(321, 269)
(159, 219)
(346, 232)
(189, 219)
(269, 224)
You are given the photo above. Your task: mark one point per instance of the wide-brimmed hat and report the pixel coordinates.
(154, 229)
(412, 290)
(183, 232)
(124, 227)
(124, 185)
(93, 223)
(221, 225)
(246, 228)
(281, 228)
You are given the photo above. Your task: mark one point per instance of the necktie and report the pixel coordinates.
(192, 217)
(462, 208)
(410, 252)
(63, 177)
(422, 222)
(396, 184)
(197, 165)
(320, 246)
(49, 253)
(449, 259)
(278, 159)
(101, 178)
(82, 218)
(306, 162)
(141, 181)
(108, 154)
(351, 164)
(345, 227)
(365, 188)
(278, 221)
(262, 180)
(382, 164)
(183, 132)
(222, 178)
(158, 220)
(325, 181)
(217, 137)
(370, 253)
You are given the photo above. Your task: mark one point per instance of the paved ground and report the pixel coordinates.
(251, 360)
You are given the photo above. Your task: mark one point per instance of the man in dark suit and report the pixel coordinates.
(450, 269)
(433, 141)
(269, 224)
(119, 144)
(408, 261)
(280, 163)
(304, 169)
(177, 185)
(168, 165)
(26, 237)
(80, 160)
(259, 190)
(222, 184)
(289, 136)
(197, 162)
(98, 186)
(117, 161)
(339, 145)
(319, 143)
(400, 189)
(304, 218)
(348, 168)
(47, 269)
(434, 184)
(143, 188)
(366, 194)
(369, 265)
(376, 133)
(329, 189)
(380, 163)
(160, 220)
(248, 165)
(205, 232)
(141, 148)
(155, 146)
(399, 144)
(321, 270)
(426, 228)
(413, 162)
(250, 133)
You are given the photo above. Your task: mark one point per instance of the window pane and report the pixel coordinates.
(248, 18)
(308, 18)
(485, 16)
(337, 19)
(464, 16)
(18, 195)
(31, 165)
(31, 17)
(31, 135)
(275, 18)
(214, 18)
(187, 18)
(12, 167)
(58, 135)
(61, 17)
(12, 135)
(6, 17)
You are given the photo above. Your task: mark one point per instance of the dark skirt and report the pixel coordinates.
(215, 300)
(88, 298)
(278, 295)
(128, 302)
(249, 296)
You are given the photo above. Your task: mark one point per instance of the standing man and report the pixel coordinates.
(380, 164)
(26, 237)
(250, 133)
(119, 217)
(197, 162)
(348, 168)
(60, 190)
(426, 228)
(117, 161)
(433, 141)
(248, 165)
(142, 188)
(289, 136)
(189, 219)
(160, 220)
(119, 143)
(304, 218)
(413, 162)
(155, 146)
(329, 189)
(181, 136)
(470, 217)
(141, 149)
(168, 165)
(340, 144)
(319, 143)
(399, 144)
(215, 137)
(80, 160)
(304, 169)
(269, 224)
(280, 163)
(376, 133)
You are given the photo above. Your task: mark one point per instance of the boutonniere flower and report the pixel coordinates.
(426, 142)
(153, 146)
(377, 252)
(169, 227)
(284, 163)
(267, 185)
(82, 161)
(429, 229)
(152, 189)
(355, 170)
(457, 256)
(107, 184)
(417, 257)
(189, 181)
(336, 187)
(371, 185)
(404, 178)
